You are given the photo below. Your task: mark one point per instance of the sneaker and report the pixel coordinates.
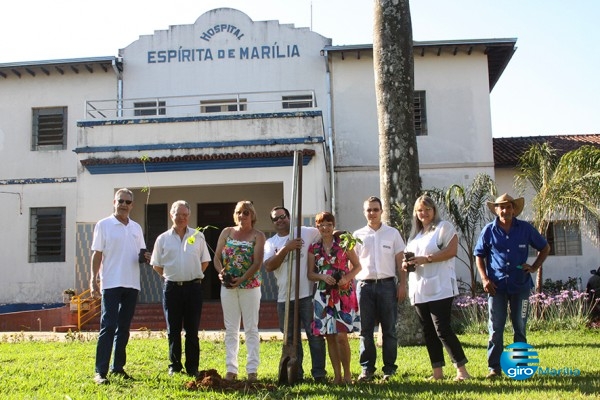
(386, 377)
(320, 379)
(173, 371)
(252, 377)
(123, 375)
(365, 376)
(100, 379)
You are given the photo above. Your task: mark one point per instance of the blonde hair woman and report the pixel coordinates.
(238, 257)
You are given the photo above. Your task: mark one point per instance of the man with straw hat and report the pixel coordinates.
(501, 255)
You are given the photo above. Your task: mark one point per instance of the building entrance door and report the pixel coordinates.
(219, 215)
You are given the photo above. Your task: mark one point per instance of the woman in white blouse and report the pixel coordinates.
(432, 286)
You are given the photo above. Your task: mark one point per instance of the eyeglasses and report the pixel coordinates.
(243, 212)
(279, 218)
(128, 202)
(373, 210)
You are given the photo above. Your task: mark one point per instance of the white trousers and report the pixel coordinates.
(241, 304)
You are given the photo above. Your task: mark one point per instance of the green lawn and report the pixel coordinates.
(63, 370)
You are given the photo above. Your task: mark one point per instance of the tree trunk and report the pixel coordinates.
(398, 156)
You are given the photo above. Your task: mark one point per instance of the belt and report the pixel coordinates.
(377, 280)
(197, 280)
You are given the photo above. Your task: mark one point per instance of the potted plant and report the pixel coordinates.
(67, 294)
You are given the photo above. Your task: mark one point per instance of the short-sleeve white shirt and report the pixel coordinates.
(377, 253)
(120, 245)
(180, 260)
(272, 246)
(437, 280)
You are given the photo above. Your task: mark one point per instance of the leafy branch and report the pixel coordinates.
(192, 239)
(348, 241)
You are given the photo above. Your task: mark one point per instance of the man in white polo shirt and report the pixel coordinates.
(380, 284)
(116, 245)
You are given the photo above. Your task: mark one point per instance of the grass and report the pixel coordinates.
(31, 369)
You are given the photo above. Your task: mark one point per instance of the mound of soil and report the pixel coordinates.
(210, 379)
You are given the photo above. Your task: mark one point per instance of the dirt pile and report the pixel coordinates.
(210, 379)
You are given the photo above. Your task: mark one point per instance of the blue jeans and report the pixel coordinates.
(183, 308)
(519, 310)
(316, 344)
(378, 303)
(118, 306)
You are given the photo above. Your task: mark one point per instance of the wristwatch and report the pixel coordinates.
(429, 260)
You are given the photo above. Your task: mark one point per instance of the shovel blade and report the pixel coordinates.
(292, 370)
(283, 370)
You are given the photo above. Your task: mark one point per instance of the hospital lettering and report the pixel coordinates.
(265, 52)
(209, 33)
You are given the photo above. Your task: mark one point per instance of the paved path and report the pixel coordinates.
(265, 334)
(59, 336)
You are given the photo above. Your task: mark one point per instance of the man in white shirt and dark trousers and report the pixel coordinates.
(116, 245)
(380, 284)
(180, 256)
(277, 249)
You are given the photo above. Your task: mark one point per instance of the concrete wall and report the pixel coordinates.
(39, 178)
(458, 144)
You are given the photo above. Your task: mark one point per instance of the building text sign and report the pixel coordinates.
(259, 52)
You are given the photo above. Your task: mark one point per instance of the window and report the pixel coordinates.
(144, 108)
(157, 221)
(303, 101)
(49, 128)
(420, 113)
(47, 234)
(564, 238)
(215, 106)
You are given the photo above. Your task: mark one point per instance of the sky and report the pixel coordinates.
(551, 85)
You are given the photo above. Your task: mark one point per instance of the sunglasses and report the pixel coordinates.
(128, 202)
(244, 212)
(279, 218)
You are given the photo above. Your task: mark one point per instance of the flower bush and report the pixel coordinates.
(567, 309)
(471, 313)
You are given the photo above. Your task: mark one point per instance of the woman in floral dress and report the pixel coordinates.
(335, 304)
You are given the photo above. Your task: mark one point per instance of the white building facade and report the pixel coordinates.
(211, 113)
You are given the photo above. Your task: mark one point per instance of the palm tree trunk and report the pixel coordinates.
(398, 156)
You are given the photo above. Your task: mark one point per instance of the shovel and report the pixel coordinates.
(288, 365)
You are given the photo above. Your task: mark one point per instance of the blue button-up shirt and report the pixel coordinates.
(504, 254)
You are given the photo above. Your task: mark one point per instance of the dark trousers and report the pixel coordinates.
(316, 344)
(118, 307)
(435, 318)
(182, 305)
(378, 304)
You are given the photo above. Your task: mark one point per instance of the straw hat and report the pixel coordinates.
(518, 204)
